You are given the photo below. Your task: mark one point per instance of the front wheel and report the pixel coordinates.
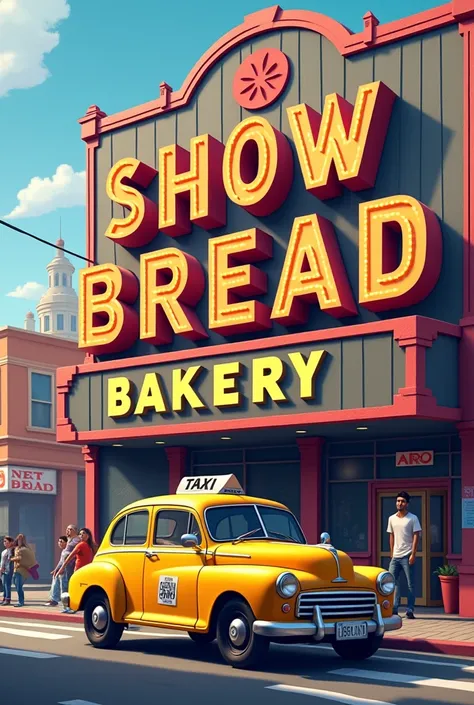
(359, 649)
(101, 630)
(237, 642)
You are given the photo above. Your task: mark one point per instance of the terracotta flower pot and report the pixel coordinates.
(450, 593)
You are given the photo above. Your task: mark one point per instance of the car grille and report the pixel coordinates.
(337, 604)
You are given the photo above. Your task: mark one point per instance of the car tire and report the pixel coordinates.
(202, 638)
(100, 628)
(237, 642)
(359, 649)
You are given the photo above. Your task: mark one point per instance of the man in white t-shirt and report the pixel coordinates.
(404, 529)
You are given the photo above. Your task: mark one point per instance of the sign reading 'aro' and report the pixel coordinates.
(255, 170)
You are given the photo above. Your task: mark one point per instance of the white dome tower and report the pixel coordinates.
(57, 309)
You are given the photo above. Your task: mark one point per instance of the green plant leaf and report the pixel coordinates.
(446, 570)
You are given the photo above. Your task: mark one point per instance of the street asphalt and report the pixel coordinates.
(52, 663)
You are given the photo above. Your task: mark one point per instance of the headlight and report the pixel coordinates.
(287, 585)
(385, 583)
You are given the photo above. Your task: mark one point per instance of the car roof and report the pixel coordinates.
(200, 502)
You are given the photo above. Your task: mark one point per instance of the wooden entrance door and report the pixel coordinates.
(430, 508)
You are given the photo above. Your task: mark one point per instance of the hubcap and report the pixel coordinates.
(99, 618)
(237, 632)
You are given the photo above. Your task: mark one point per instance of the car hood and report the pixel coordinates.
(314, 559)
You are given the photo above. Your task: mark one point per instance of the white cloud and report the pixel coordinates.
(31, 291)
(66, 188)
(26, 36)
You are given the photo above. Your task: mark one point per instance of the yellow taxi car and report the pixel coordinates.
(218, 564)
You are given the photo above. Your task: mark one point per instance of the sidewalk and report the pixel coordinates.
(432, 631)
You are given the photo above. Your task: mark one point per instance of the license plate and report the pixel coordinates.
(351, 630)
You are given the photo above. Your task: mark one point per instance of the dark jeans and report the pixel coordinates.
(19, 581)
(396, 566)
(7, 585)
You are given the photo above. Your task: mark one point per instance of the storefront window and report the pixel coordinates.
(347, 516)
(41, 400)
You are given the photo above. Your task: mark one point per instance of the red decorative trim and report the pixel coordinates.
(274, 18)
(403, 329)
(403, 407)
(177, 463)
(65, 430)
(463, 9)
(90, 454)
(311, 459)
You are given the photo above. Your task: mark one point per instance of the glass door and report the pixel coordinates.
(430, 508)
(386, 504)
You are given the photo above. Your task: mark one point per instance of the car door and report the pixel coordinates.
(171, 571)
(128, 544)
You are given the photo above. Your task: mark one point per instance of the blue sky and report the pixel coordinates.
(57, 57)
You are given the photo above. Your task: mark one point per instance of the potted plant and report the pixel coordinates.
(449, 579)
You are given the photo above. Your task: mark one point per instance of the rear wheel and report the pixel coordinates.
(202, 638)
(101, 630)
(359, 649)
(237, 642)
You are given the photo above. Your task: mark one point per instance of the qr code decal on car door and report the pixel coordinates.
(167, 590)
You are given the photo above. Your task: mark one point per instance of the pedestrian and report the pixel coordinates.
(81, 556)
(73, 538)
(55, 592)
(404, 529)
(23, 559)
(6, 568)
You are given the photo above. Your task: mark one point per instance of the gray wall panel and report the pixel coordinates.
(377, 383)
(123, 480)
(104, 248)
(352, 379)
(441, 378)
(310, 70)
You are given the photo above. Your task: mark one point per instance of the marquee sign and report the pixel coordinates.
(255, 170)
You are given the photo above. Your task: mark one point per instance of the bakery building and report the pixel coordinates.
(282, 283)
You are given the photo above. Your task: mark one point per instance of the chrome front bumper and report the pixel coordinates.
(318, 629)
(65, 599)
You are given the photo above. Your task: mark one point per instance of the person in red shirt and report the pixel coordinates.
(83, 554)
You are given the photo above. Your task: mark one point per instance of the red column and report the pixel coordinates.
(91, 463)
(466, 569)
(177, 464)
(311, 458)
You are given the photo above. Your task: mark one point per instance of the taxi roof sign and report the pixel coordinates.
(210, 484)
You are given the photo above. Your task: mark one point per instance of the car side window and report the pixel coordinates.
(118, 532)
(136, 531)
(194, 529)
(170, 525)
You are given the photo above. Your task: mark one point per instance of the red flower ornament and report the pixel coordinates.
(261, 78)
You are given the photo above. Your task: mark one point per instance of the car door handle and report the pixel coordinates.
(151, 555)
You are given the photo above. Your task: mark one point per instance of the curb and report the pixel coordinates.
(430, 646)
(39, 614)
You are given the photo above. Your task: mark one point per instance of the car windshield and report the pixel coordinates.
(232, 522)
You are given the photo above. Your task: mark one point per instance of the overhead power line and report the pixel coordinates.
(45, 242)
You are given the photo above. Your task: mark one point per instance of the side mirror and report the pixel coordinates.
(189, 541)
(325, 538)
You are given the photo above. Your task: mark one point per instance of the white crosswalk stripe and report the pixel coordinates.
(401, 679)
(32, 634)
(326, 695)
(395, 657)
(28, 654)
(76, 702)
(68, 628)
